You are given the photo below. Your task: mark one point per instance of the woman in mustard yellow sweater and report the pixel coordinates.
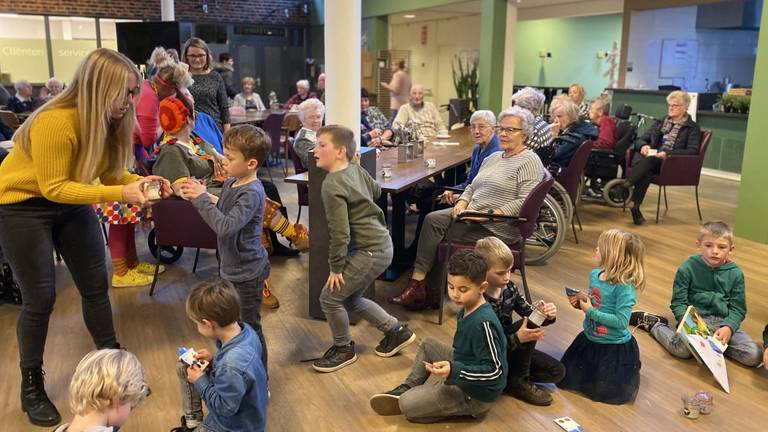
(46, 192)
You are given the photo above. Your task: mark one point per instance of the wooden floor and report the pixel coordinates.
(303, 400)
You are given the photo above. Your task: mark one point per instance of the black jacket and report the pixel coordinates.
(570, 139)
(687, 142)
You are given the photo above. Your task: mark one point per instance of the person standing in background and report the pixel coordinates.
(399, 88)
(208, 90)
(225, 67)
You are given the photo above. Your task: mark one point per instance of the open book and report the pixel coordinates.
(693, 331)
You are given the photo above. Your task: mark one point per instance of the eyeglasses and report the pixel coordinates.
(478, 127)
(509, 131)
(674, 105)
(132, 93)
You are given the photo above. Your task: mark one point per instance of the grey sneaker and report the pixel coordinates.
(388, 403)
(395, 340)
(336, 358)
(646, 320)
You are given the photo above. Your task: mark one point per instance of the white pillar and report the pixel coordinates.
(166, 11)
(509, 53)
(342, 63)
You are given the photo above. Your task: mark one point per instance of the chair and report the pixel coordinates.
(273, 125)
(236, 111)
(10, 119)
(301, 190)
(570, 178)
(291, 125)
(678, 170)
(177, 223)
(525, 223)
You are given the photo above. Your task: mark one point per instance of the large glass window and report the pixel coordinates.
(72, 38)
(109, 32)
(23, 52)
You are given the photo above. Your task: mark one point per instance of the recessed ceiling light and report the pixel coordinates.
(409, 16)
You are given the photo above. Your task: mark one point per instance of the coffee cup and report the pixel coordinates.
(536, 317)
(431, 163)
(691, 407)
(386, 170)
(153, 189)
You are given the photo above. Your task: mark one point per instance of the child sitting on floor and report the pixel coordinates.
(233, 384)
(526, 364)
(107, 385)
(714, 285)
(603, 362)
(463, 380)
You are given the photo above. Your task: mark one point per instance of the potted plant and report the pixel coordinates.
(728, 102)
(744, 102)
(465, 81)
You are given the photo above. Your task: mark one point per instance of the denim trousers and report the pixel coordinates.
(251, 295)
(28, 232)
(430, 399)
(191, 403)
(361, 269)
(741, 347)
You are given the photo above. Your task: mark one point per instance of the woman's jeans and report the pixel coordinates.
(29, 230)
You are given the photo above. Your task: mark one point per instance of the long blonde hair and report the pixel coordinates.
(98, 83)
(622, 256)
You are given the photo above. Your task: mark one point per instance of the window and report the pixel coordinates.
(72, 38)
(23, 52)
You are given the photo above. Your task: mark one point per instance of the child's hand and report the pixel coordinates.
(440, 369)
(334, 282)
(585, 304)
(526, 335)
(191, 189)
(194, 373)
(204, 354)
(550, 310)
(723, 334)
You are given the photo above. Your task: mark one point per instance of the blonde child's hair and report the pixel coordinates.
(495, 252)
(98, 82)
(622, 256)
(716, 228)
(104, 376)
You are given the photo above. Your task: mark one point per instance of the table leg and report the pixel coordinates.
(400, 261)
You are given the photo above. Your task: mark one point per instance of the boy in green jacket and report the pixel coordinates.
(462, 380)
(714, 285)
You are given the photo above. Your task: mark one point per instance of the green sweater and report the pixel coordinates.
(479, 364)
(355, 222)
(712, 291)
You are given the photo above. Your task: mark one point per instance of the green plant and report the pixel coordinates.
(729, 102)
(744, 102)
(465, 78)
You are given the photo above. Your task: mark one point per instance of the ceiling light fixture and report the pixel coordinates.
(409, 16)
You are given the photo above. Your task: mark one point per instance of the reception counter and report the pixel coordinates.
(729, 130)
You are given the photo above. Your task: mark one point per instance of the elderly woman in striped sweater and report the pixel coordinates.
(504, 181)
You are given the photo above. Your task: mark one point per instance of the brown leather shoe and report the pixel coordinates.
(415, 293)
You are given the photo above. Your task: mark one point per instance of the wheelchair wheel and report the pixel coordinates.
(616, 194)
(550, 232)
(562, 198)
(168, 254)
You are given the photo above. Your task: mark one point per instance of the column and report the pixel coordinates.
(510, 41)
(752, 211)
(166, 10)
(342, 64)
(493, 17)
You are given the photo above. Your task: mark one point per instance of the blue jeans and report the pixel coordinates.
(361, 269)
(251, 295)
(741, 347)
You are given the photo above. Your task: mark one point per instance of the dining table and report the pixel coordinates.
(254, 117)
(451, 151)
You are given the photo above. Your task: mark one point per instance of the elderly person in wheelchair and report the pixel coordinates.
(569, 129)
(675, 134)
(503, 182)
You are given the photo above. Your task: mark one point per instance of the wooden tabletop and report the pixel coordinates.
(406, 175)
(254, 117)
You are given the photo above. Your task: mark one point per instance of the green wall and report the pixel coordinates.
(385, 7)
(752, 212)
(377, 31)
(574, 43)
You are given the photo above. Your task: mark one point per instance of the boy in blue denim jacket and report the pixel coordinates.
(233, 385)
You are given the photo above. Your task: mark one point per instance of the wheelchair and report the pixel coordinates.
(602, 167)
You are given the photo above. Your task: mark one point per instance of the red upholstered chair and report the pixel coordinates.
(525, 223)
(302, 190)
(177, 223)
(678, 170)
(570, 178)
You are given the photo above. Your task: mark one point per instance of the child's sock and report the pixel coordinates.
(118, 244)
(119, 266)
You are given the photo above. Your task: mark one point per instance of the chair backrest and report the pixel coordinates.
(237, 111)
(627, 132)
(273, 126)
(623, 112)
(177, 223)
(291, 123)
(570, 176)
(532, 205)
(302, 190)
(10, 119)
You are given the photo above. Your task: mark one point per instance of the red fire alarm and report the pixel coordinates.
(423, 35)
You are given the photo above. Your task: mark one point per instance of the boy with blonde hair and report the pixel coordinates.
(526, 364)
(714, 285)
(106, 386)
(233, 385)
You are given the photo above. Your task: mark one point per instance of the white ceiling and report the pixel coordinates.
(464, 9)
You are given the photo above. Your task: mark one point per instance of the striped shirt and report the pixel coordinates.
(426, 118)
(504, 183)
(541, 140)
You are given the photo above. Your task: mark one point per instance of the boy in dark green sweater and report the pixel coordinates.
(463, 380)
(359, 250)
(714, 285)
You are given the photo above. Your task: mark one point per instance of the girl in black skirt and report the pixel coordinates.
(603, 362)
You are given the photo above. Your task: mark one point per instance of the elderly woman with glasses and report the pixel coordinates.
(569, 129)
(541, 140)
(503, 182)
(311, 114)
(675, 134)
